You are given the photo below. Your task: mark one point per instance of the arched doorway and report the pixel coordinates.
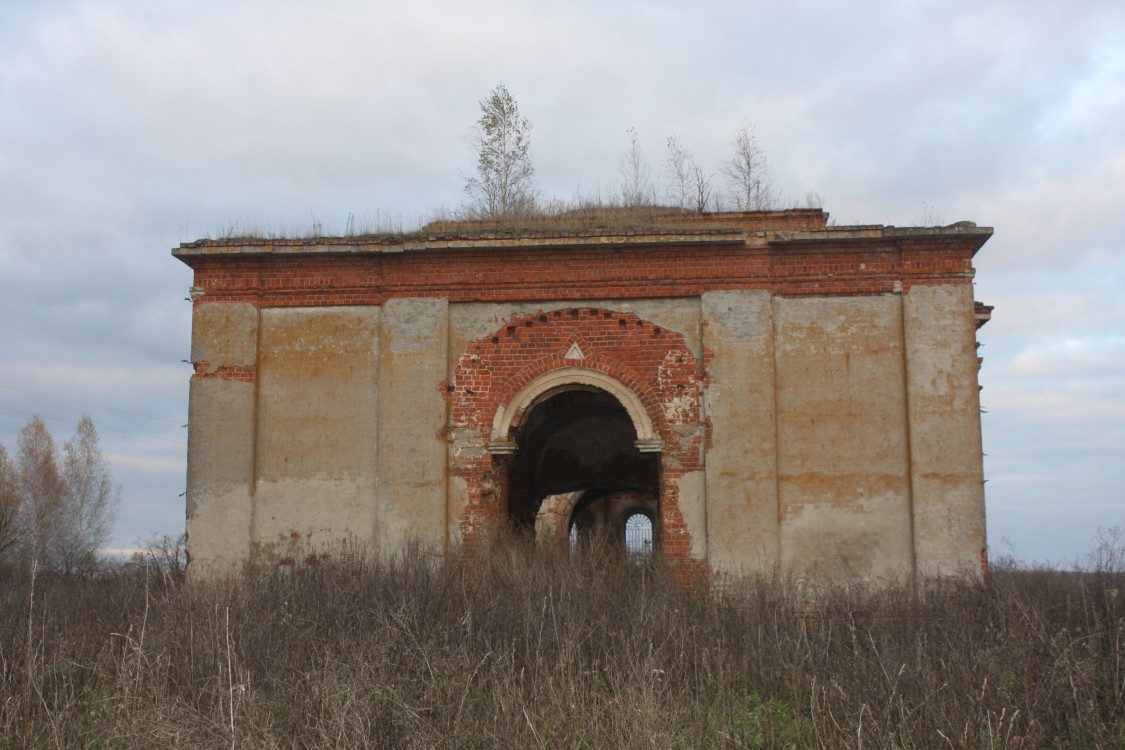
(508, 435)
(577, 446)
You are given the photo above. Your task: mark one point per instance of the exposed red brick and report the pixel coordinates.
(203, 371)
(654, 363)
(576, 274)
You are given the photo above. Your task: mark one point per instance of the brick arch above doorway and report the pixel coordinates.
(566, 378)
(497, 376)
(530, 358)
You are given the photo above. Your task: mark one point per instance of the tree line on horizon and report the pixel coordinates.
(56, 509)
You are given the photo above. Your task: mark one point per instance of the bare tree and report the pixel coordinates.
(90, 497)
(501, 140)
(9, 505)
(678, 173)
(751, 188)
(41, 492)
(688, 185)
(64, 516)
(702, 193)
(636, 177)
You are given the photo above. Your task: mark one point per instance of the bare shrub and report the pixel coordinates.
(164, 554)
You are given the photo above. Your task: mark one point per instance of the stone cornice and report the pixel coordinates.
(348, 246)
(593, 264)
(875, 234)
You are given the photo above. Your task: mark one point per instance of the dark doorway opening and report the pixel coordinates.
(624, 520)
(577, 447)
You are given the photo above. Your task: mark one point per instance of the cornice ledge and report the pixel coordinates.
(960, 229)
(537, 242)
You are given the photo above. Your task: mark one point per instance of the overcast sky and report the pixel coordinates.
(128, 127)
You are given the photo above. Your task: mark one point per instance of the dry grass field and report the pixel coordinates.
(518, 648)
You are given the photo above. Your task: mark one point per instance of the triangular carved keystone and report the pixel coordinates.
(575, 352)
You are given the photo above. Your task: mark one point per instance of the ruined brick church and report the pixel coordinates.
(753, 391)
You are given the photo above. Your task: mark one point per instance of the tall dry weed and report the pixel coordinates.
(518, 647)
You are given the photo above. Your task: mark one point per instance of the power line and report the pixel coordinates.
(137, 436)
(87, 403)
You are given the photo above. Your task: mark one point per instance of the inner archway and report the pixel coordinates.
(622, 520)
(574, 445)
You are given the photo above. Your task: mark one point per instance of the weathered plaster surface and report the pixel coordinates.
(945, 437)
(318, 380)
(842, 436)
(411, 497)
(741, 486)
(224, 335)
(318, 396)
(691, 488)
(220, 467)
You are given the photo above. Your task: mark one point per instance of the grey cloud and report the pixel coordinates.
(130, 127)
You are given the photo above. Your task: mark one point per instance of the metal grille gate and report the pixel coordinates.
(638, 535)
